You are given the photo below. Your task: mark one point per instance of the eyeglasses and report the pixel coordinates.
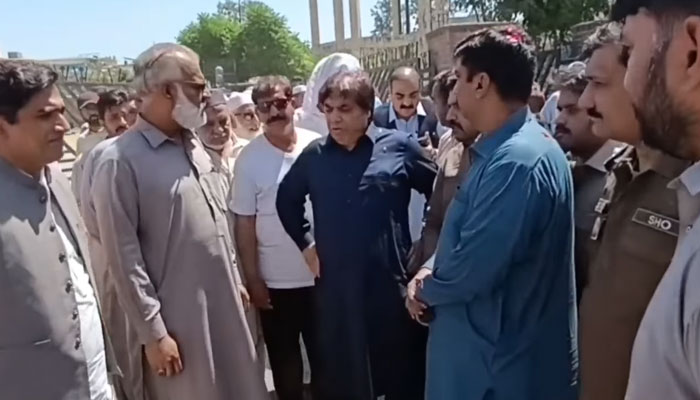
(249, 115)
(280, 104)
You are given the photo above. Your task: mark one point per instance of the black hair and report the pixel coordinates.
(20, 81)
(111, 98)
(505, 55)
(625, 8)
(604, 35)
(571, 77)
(268, 85)
(444, 83)
(355, 85)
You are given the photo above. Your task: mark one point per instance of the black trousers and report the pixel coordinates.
(291, 317)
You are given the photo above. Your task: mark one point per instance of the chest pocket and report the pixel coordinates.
(649, 236)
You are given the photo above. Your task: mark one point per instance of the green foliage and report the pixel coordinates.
(381, 13)
(548, 21)
(251, 41)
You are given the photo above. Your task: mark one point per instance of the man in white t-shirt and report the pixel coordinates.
(279, 280)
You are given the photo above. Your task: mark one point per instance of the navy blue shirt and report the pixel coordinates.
(503, 282)
(359, 199)
(366, 345)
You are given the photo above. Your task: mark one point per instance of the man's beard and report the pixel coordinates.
(664, 124)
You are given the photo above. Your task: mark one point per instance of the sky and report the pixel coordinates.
(50, 29)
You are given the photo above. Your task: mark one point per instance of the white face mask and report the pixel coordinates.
(187, 114)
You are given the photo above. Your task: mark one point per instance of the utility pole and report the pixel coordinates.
(240, 12)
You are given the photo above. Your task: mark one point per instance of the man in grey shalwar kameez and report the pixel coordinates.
(165, 242)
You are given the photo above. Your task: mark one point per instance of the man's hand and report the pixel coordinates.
(259, 295)
(245, 297)
(312, 261)
(164, 357)
(414, 306)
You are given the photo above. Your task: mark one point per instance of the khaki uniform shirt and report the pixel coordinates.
(589, 181)
(453, 169)
(166, 241)
(632, 243)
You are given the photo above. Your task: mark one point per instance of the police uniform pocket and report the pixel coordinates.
(650, 236)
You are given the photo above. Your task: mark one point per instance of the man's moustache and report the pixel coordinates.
(561, 130)
(595, 114)
(275, 119)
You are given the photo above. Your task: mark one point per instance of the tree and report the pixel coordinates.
(269, 47)
(260, 43)
(547, 21)
(381, 13)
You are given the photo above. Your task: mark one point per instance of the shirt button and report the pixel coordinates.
(77, 343)
(69, 286)
(43, 198)
(52, 228)
(61, 257)
(75, 314)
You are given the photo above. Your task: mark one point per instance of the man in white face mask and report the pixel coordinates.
(164, 231)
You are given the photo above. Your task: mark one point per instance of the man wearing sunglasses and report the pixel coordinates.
(164, 233)
(280, 282)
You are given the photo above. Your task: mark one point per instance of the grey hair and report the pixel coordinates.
(159, 64)
(571, 77)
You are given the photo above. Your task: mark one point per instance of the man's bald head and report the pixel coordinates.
(405, 74)
(405, 92)
(163, 63)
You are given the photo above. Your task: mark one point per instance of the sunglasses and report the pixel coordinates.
(280, 104)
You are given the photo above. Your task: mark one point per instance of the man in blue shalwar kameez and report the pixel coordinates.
(502, 286)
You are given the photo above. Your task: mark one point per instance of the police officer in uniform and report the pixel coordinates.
(589, 153)
(635, 230)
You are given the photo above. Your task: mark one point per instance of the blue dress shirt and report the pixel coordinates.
(503, 285)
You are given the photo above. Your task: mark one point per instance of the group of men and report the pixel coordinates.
(444, 249)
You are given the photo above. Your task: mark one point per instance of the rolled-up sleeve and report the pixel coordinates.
(115, 197)
(291, 197)
(488, 236)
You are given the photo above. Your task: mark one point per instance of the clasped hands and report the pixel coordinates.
(415, 307)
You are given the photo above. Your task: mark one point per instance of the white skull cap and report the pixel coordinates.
(239, 99)
(217, 97)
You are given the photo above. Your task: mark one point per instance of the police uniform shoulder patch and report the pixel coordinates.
(656, 221)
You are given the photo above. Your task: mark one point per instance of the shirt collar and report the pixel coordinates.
(656, 160)
(488, 143)
(154, 136)
(420, 111)
(369, 137)
(690, 178)
(21, 177)
(606, 151)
